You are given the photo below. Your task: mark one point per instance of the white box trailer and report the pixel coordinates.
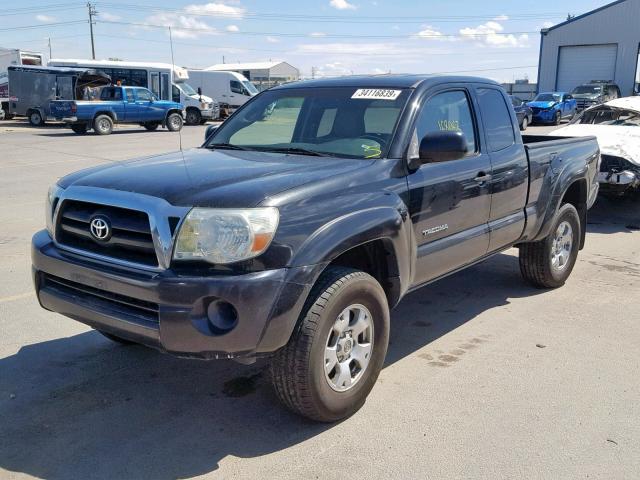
(9, 57)
(230, 89)
(166, 81)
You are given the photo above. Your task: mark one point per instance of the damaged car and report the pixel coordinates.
(616, 125)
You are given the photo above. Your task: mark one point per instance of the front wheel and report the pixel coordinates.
(174, 122)
(337, 349)
(557, 119)
(193, 116)
(549, 262)
(525, 124)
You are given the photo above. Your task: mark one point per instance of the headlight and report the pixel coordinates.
(226, 235)
(52, 199)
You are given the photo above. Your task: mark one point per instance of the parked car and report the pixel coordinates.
(523, 112)
(595, 93)
(616, 125)
(291, 235)
(119, 105)
(553, 107)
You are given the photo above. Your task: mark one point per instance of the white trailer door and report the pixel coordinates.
(584, 63)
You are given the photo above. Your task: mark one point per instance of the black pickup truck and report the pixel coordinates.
(304, 218)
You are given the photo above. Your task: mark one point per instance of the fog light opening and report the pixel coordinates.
(222, 317)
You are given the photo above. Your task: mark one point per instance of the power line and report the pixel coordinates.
(305, 35)
(41, 25)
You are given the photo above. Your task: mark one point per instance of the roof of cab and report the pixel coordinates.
(385, 81)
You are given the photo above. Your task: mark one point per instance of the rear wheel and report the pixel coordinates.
(151, 126)
(35, 118)
(337, 349)
(193, 116)
(80, 129)
(549, 262)
(103, 125)
(174, 122)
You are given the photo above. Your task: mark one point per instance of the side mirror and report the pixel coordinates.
(442, 147)
(200, 91)
(210, 131)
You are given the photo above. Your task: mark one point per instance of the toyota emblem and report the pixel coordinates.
(100, 228)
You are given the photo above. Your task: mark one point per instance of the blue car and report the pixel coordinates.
(553, 107)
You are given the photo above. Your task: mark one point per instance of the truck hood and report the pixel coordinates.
(220, 178)
(586, 96)
(541, 104)
(613, 139)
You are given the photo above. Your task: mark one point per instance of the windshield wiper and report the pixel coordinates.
(225, 146)
(294, 150)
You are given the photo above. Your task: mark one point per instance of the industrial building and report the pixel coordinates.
(603, 44)
(262, 74)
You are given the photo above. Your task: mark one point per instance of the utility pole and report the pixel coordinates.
(92, 13)
(50, 48)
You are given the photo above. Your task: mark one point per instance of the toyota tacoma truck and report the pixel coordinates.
(304, 218)
(117, 104)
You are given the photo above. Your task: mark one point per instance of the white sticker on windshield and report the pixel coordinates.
(376, 93)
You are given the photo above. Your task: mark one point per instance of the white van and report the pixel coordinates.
(230, 89)
(166, 81)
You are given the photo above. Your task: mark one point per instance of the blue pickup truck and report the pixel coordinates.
(553, 107)
(119, 105)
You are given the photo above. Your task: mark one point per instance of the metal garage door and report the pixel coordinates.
(581, 64)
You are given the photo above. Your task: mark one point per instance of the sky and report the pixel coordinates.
(499, 40)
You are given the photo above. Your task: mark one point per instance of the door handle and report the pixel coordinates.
(482, 177)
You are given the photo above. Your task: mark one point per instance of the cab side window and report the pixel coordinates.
(130, 96)
(236, 87)
(496, 119)
(447, 111)
(143, 95)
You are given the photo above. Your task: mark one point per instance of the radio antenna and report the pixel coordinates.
(173, 64)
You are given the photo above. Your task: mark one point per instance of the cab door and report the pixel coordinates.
(449, 202)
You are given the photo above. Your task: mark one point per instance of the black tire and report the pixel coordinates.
(298, 369)
(35, 118)
(174, 122)
(536, 263)
(103, 125)
(524, 124)
(116, 339)
(193, 116)
(80, 129)
(151, 126)
(558, 119)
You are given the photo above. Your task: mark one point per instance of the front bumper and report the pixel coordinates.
(210, 114)
(169, 311)
(544, 116)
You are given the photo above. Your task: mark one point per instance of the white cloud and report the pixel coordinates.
(220, 9)
(430, 33)
(109, 17)
(45, 18)
(317, 34)
(342, 5)
(334, 69)
(232, 28)
(271, 39)
(182, 26)
(490, 34)
(501, 18)
(548, 24)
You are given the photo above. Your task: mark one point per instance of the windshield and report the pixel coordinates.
(341, 122)
(605, 115)
(547, 97)
(250, 87)
(588, 89)
(187, 89)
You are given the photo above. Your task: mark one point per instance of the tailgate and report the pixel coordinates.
(63, 108)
